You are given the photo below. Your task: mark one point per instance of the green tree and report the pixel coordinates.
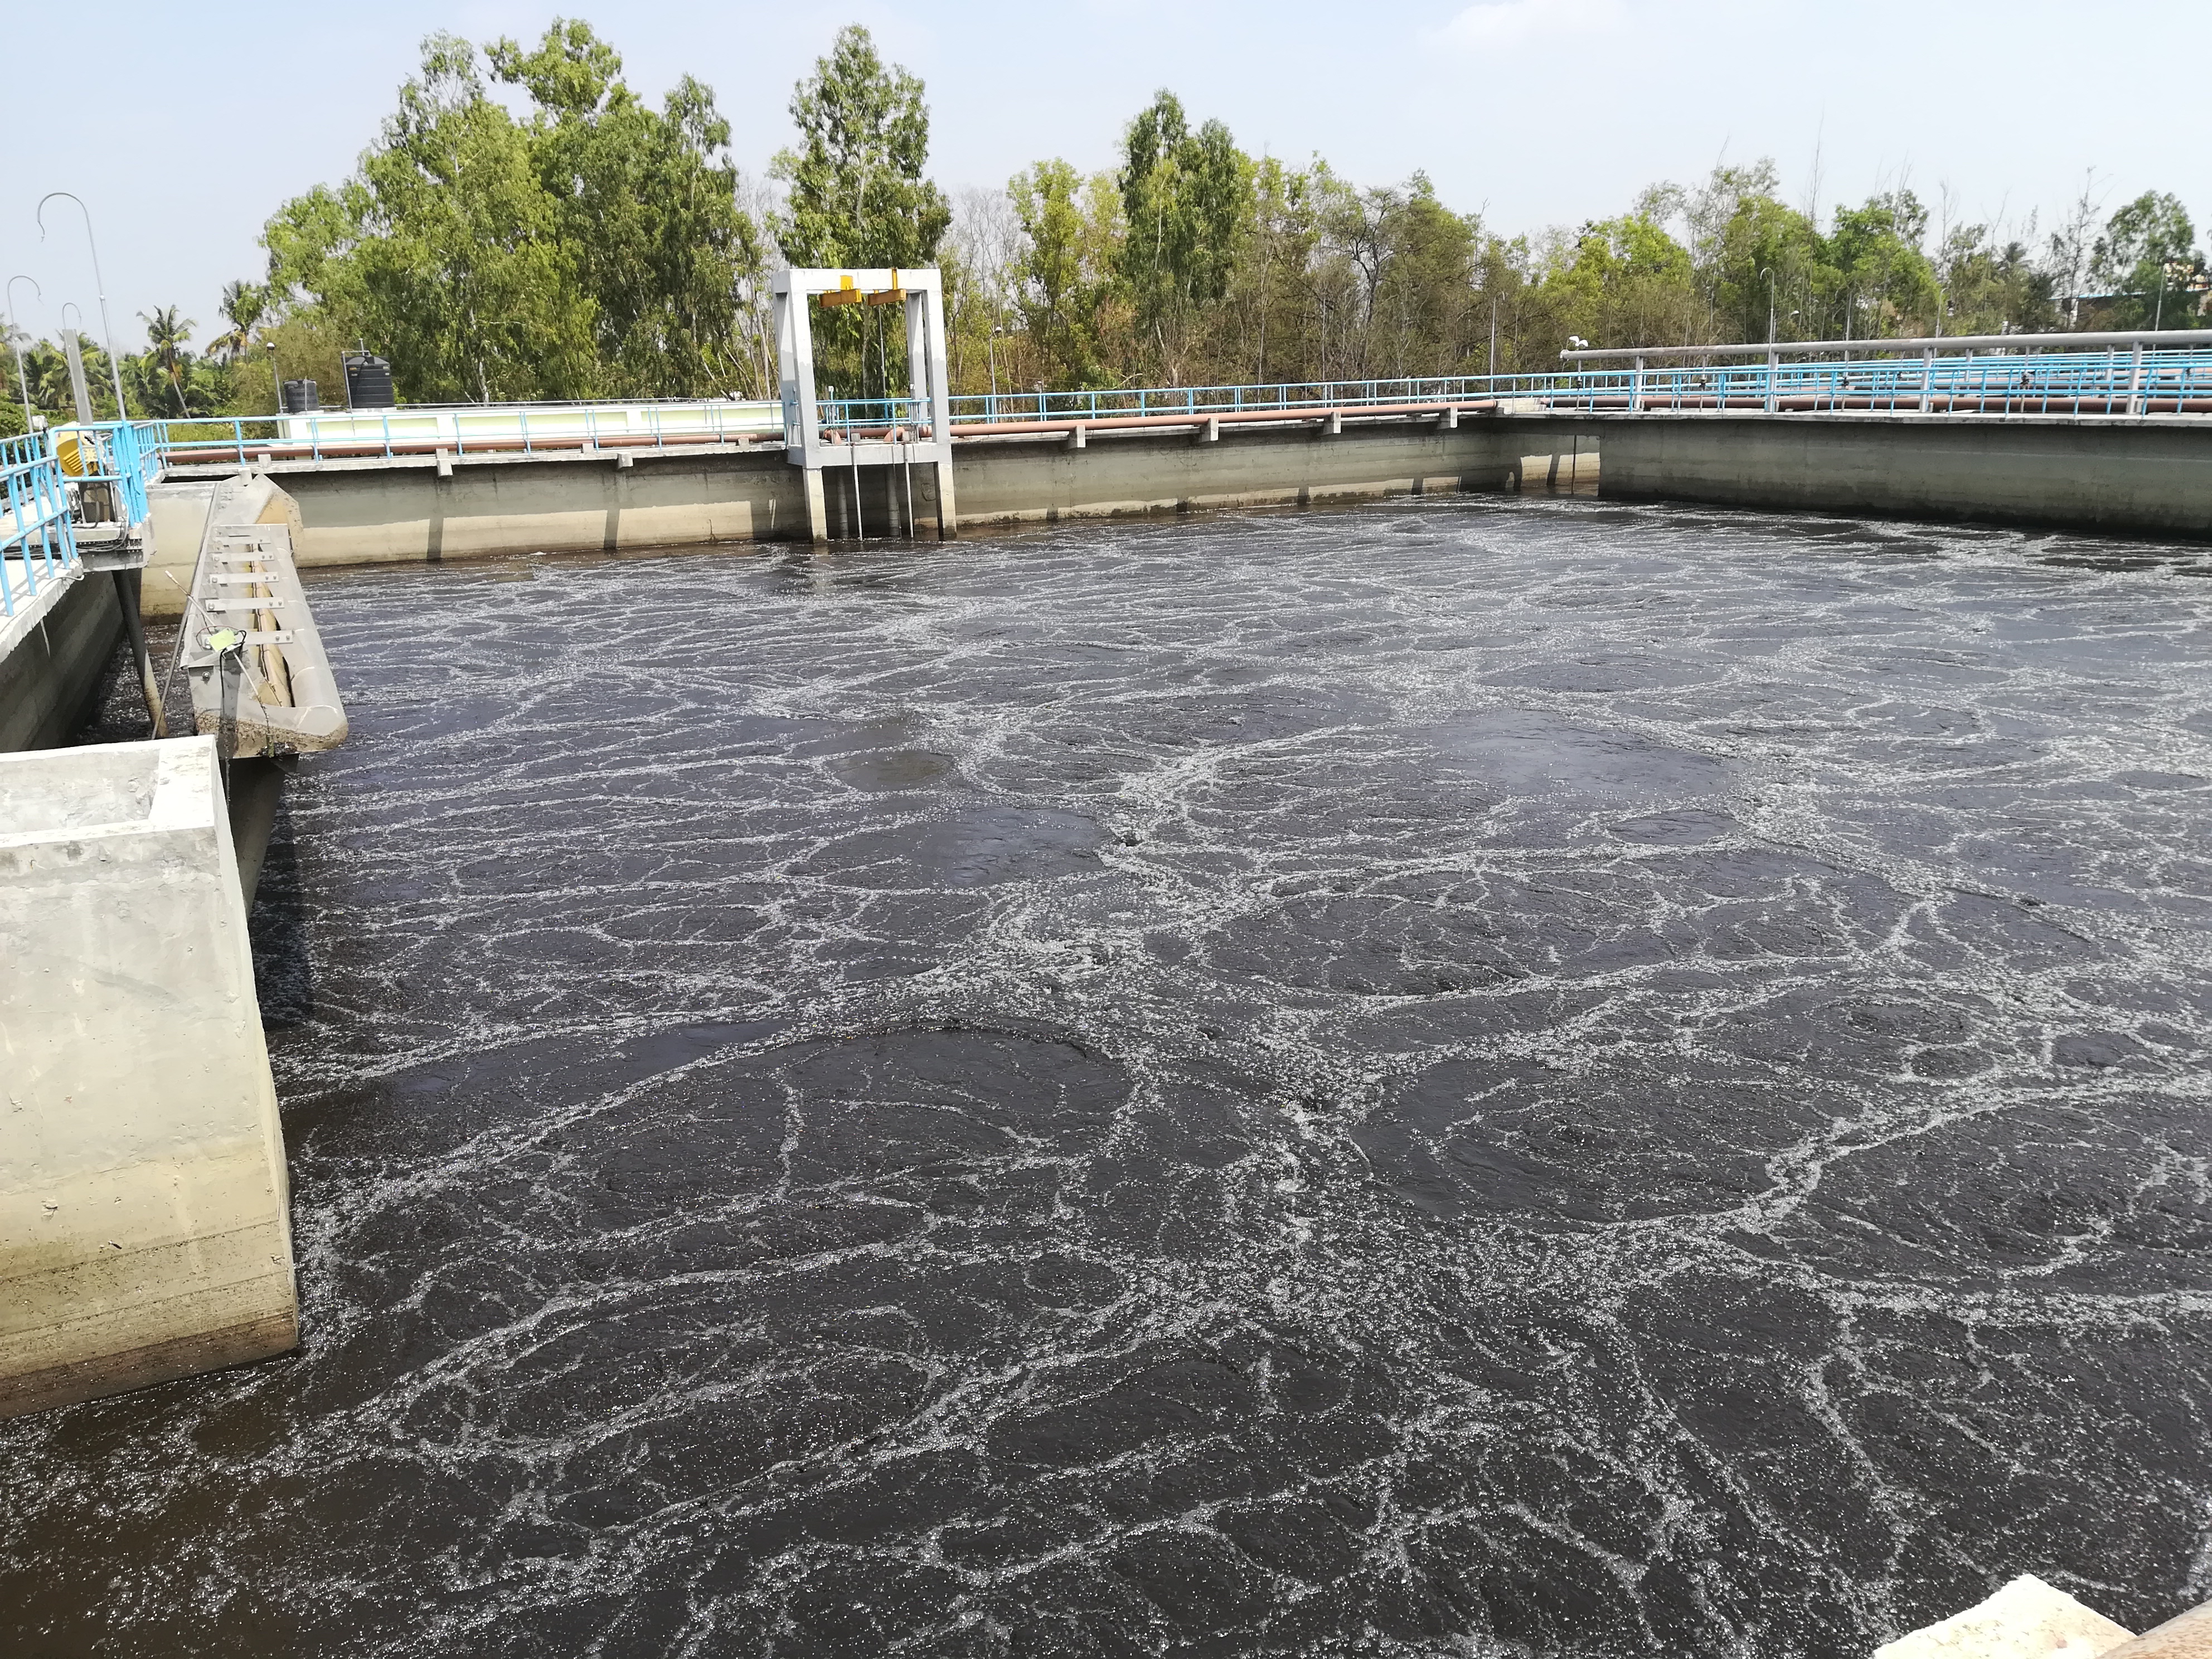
(1269, 289)
(168, 338)
(1626, 281)
(1888, 285)
(2148, 261)
(859, 194)
(1064, 282)
(644, 210)
(1187, 200)
(244, 307)
(1769, 270)
(1993, 288)
(444, 249)
(592, 246)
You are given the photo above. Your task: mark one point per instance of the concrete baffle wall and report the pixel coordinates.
(144, 1232)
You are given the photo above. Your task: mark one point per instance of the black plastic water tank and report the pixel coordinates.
(300, 397)
(369, 382)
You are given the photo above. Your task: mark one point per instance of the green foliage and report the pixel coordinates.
(165, 380)
(646, 204)
(858, 193)
(168, 338)
(1626, 278)
(244, 305)
(2148, 261)
(308, 343)
(593, 247)
(1186, 197)
(1993, 290)
(1770, 274)
(1268, 287)
(859, 196)
(1887, 285)
(1065, 273)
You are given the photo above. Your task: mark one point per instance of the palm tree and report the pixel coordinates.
(244, 304)
(167, 335)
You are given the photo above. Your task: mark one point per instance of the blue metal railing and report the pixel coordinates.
(52, 482)
(124, 455)
(38, 544)
(2086, 382)
(462, 430)
(2057, 381)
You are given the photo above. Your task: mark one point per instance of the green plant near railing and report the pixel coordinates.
(186, 432)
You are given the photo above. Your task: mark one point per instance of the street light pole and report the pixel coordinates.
(1768, 272)
(107, 330)
(276, 378)
(23, 382)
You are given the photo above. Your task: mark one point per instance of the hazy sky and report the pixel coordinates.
(183, 127)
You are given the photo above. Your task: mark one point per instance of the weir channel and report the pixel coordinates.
(1488, 1074)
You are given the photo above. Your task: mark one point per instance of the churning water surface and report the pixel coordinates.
(1484, 1078)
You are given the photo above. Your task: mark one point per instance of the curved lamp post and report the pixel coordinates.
(23, 382)
(108, 331)
(126, 581)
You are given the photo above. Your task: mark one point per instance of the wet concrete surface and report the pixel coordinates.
(1471, 1077)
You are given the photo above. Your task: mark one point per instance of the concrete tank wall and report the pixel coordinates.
(2128, 477)
(2113, 474)
(353, 512)
(403, 511)
(1014, 479)
(144, 1224)
(51, 669)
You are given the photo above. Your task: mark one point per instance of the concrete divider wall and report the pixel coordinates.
(2127, 476)
(370, 513)
(352, 512)
(1029, 478)
(143, 1222)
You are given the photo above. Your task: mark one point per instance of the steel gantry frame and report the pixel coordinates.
(925, 433)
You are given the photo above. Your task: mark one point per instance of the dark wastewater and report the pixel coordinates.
(1527, 1078)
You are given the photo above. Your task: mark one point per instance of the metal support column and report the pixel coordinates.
(126, 594)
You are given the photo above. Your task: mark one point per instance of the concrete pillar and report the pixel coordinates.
(930, 316)
(948, 517)
(818, 508)
(145, 1232)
